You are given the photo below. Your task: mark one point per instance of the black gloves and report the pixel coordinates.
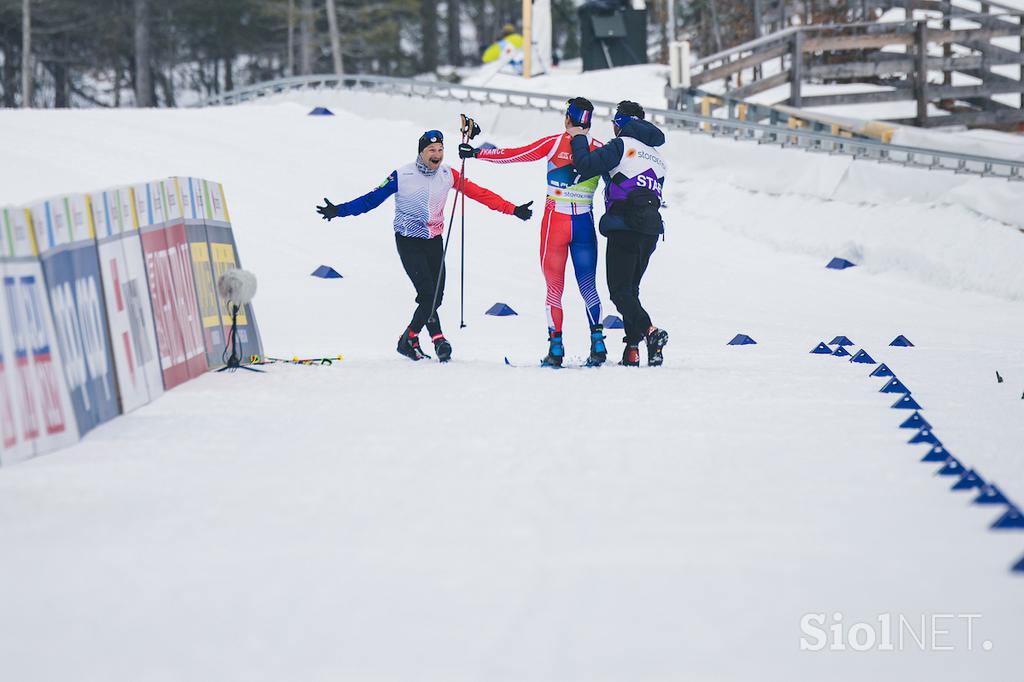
(468, 151)
(328, 210)
(523, 211)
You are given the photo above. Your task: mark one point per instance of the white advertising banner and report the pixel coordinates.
(129, 312)
(37, 397)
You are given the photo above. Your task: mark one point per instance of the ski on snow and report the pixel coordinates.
(571, 365)
(296, 360)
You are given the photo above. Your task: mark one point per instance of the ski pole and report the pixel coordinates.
(462, 245)
(448, 237)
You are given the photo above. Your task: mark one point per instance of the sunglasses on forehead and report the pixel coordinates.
(433, 136)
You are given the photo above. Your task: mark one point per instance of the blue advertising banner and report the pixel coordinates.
(70, 260)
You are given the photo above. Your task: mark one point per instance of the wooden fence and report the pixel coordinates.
(897, 55)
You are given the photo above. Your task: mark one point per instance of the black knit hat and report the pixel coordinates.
(429, 138)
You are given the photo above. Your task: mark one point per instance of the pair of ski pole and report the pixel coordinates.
(468, 129)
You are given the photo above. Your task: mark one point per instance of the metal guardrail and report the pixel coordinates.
(793, 138)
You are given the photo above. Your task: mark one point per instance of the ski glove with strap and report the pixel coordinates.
(523, 211)
(328, 210)
(468, 151)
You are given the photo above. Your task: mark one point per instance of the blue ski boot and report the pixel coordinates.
(555, 351)
(598, 351)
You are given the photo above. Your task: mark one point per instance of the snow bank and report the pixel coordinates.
(980, 142)
(946, 229)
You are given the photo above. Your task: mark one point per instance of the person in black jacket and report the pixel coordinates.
(634, 174)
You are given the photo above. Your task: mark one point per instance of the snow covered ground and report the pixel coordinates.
(380, 520)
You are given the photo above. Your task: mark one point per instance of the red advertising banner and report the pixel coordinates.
(172, 291)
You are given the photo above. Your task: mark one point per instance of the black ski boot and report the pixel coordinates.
(442, 348)
(556, 351)
(656, 340)
(598, 351)
(409, 346)
(631, 356)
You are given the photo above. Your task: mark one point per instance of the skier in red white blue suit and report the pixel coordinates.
(421, 190)
(567, 228)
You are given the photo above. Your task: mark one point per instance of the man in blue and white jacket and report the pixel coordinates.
(421, 189)
(634, 174)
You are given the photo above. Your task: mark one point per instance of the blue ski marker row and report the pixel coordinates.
(966, 479)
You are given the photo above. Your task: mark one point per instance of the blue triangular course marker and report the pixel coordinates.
(325, 272)
(925, 436)
(968, 481)
(507, 362)
(612, 322)
(321, 111)
(990, 494)
(901, 341)
(741, 340)
(936, 454)
(500, 310)
(1013, 518)
(822, 349)
(882, 371)
(841, 340)
(1019, 566)
(894, 385)
(952, 467)
(840, 264)
(863, 357)
(907, 402)
(915, 421)
(841, 352)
